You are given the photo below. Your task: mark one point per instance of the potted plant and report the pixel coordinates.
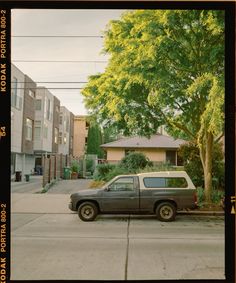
(74, 170)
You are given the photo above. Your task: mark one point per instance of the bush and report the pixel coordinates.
(75, 166)
(102, 170)
(89, 165)
(117, 170)
(189, 153)
(216, 196)
(135, 161)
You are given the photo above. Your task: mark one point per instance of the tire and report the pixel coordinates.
(87, 211)
(166, 212)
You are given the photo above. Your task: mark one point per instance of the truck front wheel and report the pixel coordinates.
(166, 212)
(87, 211)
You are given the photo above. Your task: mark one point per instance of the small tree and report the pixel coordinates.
(94, 140)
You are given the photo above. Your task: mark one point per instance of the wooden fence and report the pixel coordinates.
(53, 167)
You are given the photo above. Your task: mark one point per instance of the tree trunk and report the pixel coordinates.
(206, 159)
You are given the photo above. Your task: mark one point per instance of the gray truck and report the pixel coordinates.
(160, 193)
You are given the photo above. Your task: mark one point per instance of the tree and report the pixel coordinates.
(94, 140)
(165, 68)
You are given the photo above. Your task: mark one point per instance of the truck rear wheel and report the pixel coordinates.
(87, 211)
(166, 212)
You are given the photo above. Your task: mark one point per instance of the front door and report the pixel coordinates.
(122, 195)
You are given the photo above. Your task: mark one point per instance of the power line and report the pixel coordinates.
(59, 36)
(52, 82)
(57, 61)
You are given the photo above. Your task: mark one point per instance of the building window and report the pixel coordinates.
(37, 130)
(38, 104)
(86, 140)
(60, 138)
(31, 93)
(56, 135)
(29, 131)
(171, 157)
(64, 138)
(16, 101)
(60, 119)
(45, 131)
(67, 124)
(87, 125)
(48, 109)
(128, 151)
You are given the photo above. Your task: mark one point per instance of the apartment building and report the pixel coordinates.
(71, 137)
(64, 131)
(17, 97)
(81, 126)
(56, 118)
(43, 127)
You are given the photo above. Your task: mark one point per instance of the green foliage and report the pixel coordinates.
(166, 67)
(102, 170)
(94, 140)
(75, 166)
(216, 196)
(192, 165)
(90, 165)
(117, 170)
(134, 161)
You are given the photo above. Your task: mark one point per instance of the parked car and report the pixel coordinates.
(160, 193)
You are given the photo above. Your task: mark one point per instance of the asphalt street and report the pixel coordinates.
(49, 242)
(62, 247)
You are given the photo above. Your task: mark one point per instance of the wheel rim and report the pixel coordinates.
(87, 212)
(166, 212)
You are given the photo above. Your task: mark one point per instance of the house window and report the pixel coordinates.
(128, 151)
(56, 135)
(37, 130)
(38, 104)
(64, 138)
(86, 140)
(87, 125)
(29, 131)
(171, 157)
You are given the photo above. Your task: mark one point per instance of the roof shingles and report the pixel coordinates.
(155, 141)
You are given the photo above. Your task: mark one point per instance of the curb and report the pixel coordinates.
(203, 213)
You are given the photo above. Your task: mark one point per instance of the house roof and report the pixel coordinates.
(155, 141)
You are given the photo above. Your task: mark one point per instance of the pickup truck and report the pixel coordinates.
(160, 193)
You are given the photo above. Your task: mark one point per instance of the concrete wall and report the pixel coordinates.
(17, 112)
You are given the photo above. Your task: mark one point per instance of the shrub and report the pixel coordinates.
(134, 161)
(117, 170)
(102, 170)
(75, 166)
(90, 165)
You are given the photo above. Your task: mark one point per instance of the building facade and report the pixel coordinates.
(64, 131)
(43, 127)
(17, 97)
(55, 124)
(81, 126)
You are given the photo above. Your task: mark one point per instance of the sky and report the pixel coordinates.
(61, 23)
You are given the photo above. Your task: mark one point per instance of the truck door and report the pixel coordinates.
(122, 195)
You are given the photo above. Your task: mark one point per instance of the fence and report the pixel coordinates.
(53, 167)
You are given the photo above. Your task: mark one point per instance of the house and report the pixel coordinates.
(81, 126)
(159, 148)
